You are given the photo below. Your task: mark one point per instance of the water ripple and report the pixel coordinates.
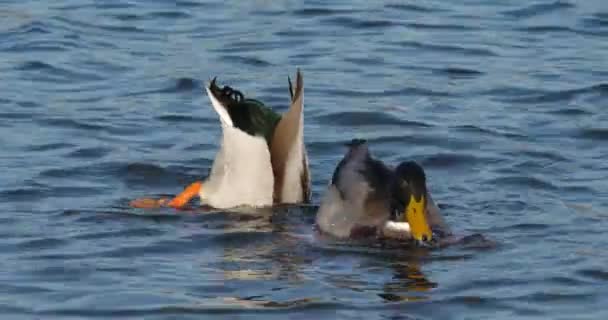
(448, 48)
(562, 95)
(357, 23)
(411, 7)
(539, 9)
(316, 12)
(596, 274)
(501, 102)
(363, 118)
(41, 244)
(251, 61)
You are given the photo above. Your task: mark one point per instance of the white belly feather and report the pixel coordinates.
(241, 173)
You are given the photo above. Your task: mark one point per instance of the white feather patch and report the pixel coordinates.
(219, 108)
(397, 230)
(292, 182)
(241, 174)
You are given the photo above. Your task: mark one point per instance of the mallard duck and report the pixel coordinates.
(262, 158)
(368, 198)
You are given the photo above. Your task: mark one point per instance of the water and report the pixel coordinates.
(502, 102)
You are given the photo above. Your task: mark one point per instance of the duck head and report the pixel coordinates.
(409, 199)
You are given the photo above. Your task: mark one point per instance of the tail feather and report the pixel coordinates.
(289, 161)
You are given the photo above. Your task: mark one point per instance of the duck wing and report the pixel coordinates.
(358, 197)
(288, 152)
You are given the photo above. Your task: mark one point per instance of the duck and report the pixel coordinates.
(368, 198)
(262, 158)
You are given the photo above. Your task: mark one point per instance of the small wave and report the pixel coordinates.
(555, 297)
(169, 14)
(316, 12)
(448, 48)
(450, 160)
(82, 170)
(304, 34)
(153, 175)
(158, 246)
(41, 244)
(27, 289)
(45, 46)
(524, 227)
(49, 146)
(191, 4)
(36, 65)
(538, 9)
(411, 7)
(365, 61)
(27, 28)
(570, 111)
(114, 5)
(72, 191)
(563, 95)
(215, 306)
(595, 274)
(254, 46)
(485, 284)
(125, 16)
(471, 301)
(23, 194)
(62, 273)
(251, 61)
(16, 115)
(354, 118)
(186, 84)
(446, 27)
(90, 153)
(98, 65)
(122, 234)
(524, 181)
(554, 155)
(511, 91)
(356, 23)
(178, 85)
(598, 20)
(234, 238)
(546, 29)
(403, 140)
(144, 169)
(157, 216)
(54, 74)
(460, 72)
(493, 132)
(408, 91)
(184, 118)
(595, 133)
(70, 124)
(593, 31)
(117, 30)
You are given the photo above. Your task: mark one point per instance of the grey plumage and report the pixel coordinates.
(364, 194)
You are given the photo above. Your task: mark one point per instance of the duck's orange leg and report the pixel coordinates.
(178, 202)
(183, 198)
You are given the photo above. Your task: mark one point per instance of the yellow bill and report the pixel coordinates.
(416, 217)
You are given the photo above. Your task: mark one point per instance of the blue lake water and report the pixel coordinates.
(503, 102)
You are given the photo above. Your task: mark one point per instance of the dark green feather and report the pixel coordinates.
(248, 115)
